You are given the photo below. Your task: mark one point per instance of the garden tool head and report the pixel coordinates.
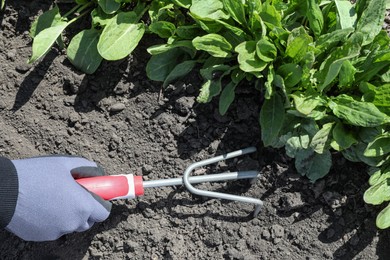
(129, 186)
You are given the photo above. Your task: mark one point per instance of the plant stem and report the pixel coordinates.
(71, 11)
(82, 8)
(77, 9)
(79, 16)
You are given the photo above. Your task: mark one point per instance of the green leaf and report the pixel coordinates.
(233, 34)
(182, 3)
(320, 141)
(327, 41)
(256, 24)
(271, 119)
(368, 134)
(291, 74)
(236, 10)
(376, 176)
(305, 103)
(371, 161)
(208, 10)
(296, 143)
(120, 37)
(269, 86)
(82, 51)
(188, 32)
(227, 97)
(247, 58)
(382, 98)
(182, 45)
(378, 193)
(159, 66)
(209, 89)
(162, 28)
(350, 154)
(47, 19)
(385, 77)
(315, 17)
(2, 5)
(343, 137)
(297, 44)
(158, 10)
(377, 59)
(265, 50)
(313, 165)
(347, 74)
(209, 26)
(371, 20)
(357, 113)
(383, 218)
(45, 39)
(214, 71)
(330, 68)
(100, 18)
(180, 70)
(380, 146)
(109, 6)
(346, 14)
(214, 44)
(270, 16)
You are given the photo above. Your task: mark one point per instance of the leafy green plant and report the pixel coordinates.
(115, 32)
(322, 67)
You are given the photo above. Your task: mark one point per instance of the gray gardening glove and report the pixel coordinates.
(49, 203)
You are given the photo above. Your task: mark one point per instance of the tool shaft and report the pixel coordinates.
(203, 178)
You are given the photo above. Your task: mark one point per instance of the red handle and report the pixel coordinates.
(114, 186)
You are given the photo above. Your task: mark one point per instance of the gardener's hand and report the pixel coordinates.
(50, 203)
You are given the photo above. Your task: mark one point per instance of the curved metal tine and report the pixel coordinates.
(220, 195)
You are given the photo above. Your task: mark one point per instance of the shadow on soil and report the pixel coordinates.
(352, 221)
(32, 80)
(171, 202)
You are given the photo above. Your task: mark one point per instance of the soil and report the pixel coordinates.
(120, 119)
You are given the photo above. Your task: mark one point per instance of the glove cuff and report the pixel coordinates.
(9, 189)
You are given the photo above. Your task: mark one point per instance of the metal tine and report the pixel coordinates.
(219, 195)
(203, 178)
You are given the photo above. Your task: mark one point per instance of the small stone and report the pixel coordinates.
(266, 234)
(95, 253)
(74, 117)
(148, 213)
(117, 107)
(146, 169)
(214, 239)
(243, 231)
(22, 67)
(119, 246)
(292, 201)
(11, 54)
(277, 231)
(184, 105)
(2, 104)
(121, 89)
(131, 246)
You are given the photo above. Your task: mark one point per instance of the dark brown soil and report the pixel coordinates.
(118, 118)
